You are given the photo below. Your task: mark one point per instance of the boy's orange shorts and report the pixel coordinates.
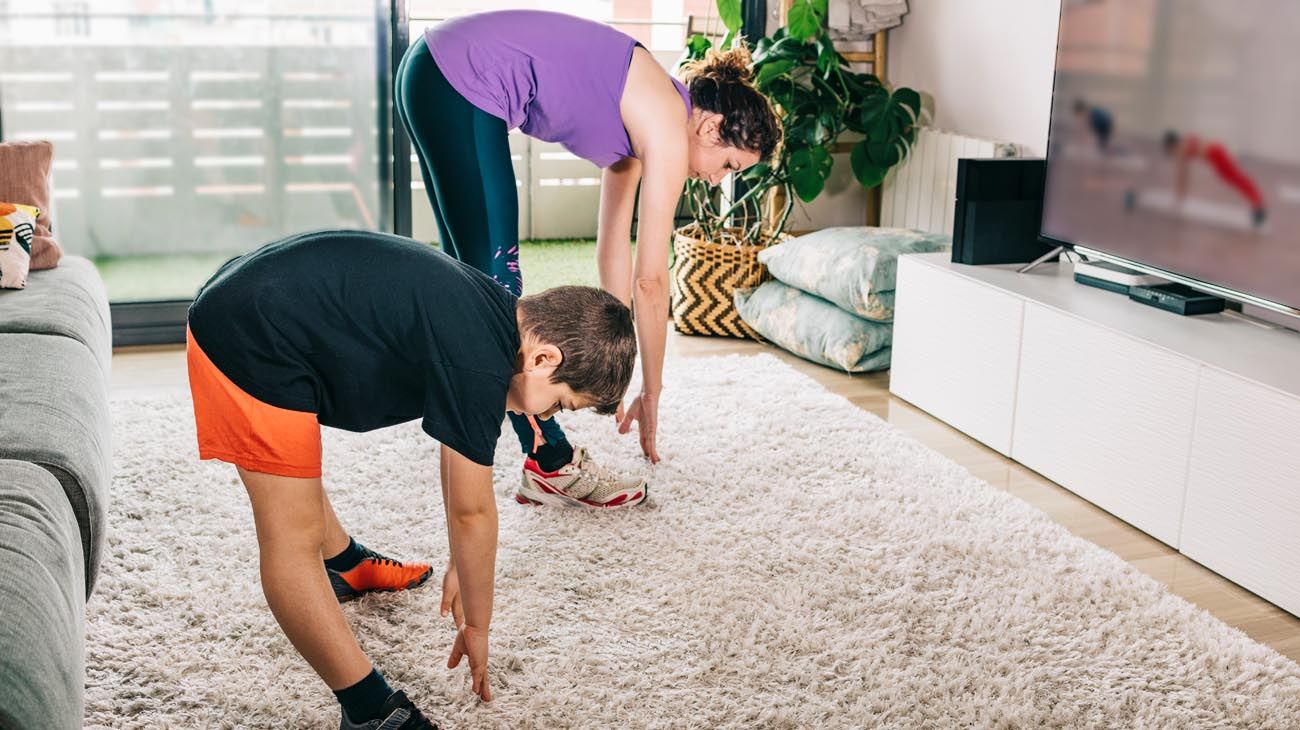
(235, 427)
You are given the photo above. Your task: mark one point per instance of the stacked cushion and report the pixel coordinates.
(815, 329)
(833, 298)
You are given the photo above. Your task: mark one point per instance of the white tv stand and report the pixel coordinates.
(1188, 428)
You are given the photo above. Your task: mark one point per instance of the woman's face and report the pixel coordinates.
(710, 158)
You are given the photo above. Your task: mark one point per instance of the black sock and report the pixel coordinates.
(553, 456)
(363, 700)
(354, 553)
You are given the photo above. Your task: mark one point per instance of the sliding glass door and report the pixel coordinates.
(189, 135)
(190, 131)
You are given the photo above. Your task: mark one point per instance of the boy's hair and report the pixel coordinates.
(595, 335)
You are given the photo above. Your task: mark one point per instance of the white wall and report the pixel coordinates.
(988, 64)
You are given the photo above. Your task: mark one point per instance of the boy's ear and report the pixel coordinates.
(543, 356)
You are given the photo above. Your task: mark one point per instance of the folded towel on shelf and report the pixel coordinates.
(857, 20)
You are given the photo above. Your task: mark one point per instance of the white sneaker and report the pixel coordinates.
(580, 483)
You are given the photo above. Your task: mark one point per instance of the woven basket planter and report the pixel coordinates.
(704, 279)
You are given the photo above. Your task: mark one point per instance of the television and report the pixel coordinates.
(1174, 142)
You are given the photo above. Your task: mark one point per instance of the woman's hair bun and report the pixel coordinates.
(723, 67)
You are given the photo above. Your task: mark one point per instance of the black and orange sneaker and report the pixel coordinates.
(377, 573)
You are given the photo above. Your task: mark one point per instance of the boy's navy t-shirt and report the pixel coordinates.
(365, 330)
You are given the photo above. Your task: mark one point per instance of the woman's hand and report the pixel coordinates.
(645, 411)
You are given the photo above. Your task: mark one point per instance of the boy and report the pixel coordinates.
(360, 330)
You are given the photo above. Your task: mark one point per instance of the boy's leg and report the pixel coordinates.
(335, 539)
(290, 518)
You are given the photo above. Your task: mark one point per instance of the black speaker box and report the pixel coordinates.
(999, 210)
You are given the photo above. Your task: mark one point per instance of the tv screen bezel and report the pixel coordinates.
(1092, 251)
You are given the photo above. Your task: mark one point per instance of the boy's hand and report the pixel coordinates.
(473, 642)
(451, 595)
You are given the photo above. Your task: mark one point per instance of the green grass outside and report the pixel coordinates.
(133, 278)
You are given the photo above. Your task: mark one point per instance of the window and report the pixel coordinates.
(189, 131)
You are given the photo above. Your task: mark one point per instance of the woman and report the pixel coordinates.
(603, 96)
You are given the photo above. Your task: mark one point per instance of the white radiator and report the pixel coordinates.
(920, 193)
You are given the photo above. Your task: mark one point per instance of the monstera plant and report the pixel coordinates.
(822, 102)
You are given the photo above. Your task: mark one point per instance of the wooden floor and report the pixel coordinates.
(152, 370)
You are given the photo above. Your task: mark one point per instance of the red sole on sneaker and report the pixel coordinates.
(413, 584)
(622, 501)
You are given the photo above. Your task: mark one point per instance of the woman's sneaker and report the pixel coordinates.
(398, 713)
(377, 573)
(580, 483)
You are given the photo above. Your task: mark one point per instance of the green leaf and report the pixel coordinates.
(791, 48)
(827, 57)
(861, 86)
(808, 130)
(729, 12)
(779, 90)
(809, 168)
(910, 99)
(697, 46)
(884, 154)
(769, 71)
(761, 49)
(756, 172)
(869, 174)
(728, 40)
(805, 18)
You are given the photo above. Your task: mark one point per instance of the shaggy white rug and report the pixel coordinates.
(801, 565)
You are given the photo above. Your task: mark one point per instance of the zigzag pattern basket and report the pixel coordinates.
(704, 279)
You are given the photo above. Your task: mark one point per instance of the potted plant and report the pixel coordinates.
(819, 100)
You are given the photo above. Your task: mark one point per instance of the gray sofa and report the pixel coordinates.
(55, 449)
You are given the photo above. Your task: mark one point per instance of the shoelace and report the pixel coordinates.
(597, 473)
(388, 561)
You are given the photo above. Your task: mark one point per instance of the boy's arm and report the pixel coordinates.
(450, 583)
(472, 529)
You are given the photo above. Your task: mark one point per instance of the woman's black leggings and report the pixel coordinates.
(464, 157)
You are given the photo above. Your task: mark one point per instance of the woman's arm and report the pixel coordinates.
(661, 187)
(614, 229)
(655, 119)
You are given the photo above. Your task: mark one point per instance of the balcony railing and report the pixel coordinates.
(185, 132)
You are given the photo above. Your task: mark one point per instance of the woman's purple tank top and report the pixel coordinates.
(556, 77)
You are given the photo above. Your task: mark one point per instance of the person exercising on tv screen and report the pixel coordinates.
(1186, 149)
